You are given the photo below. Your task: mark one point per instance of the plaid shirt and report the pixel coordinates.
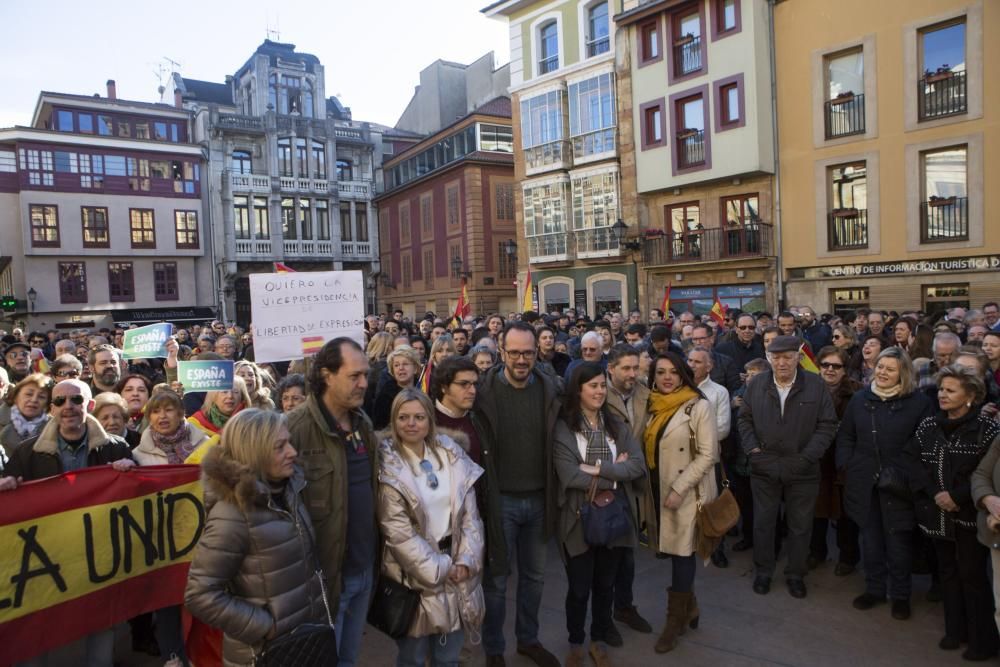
(925, 369)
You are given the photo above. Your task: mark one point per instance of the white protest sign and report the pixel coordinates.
(293, 314)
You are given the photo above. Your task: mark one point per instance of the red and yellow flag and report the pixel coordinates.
(311, 345)
(665, 305)
(425, 378)
(808, 359)
(463, 308)
(529, 296)
(718, 312)
(281, 267)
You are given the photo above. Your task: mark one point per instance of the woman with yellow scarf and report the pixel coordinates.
(681, 446)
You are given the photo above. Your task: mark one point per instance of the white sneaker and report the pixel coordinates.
(174, 661)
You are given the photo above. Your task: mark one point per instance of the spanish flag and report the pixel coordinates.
(425, 378)
(808, 361)
(718, 312)
(463, 307)
(281, 267)
(665, 305)
(529, 297)
(311, 345)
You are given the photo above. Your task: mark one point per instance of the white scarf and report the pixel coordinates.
(26, 427)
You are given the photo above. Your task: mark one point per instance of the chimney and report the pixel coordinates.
(178, 98)
(112, 91)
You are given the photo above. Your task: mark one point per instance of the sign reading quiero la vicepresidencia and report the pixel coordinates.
(147, 342)
(294, 314)
(208, 375)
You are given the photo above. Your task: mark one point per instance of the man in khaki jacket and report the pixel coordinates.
(336, 445)
(627, 398)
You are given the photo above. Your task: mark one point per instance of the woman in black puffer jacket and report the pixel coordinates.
(877, 432)
(952, 443)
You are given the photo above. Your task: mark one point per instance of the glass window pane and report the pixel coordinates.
(944, 48)
(945, 173)
(846, 74)
(694, 114)
(64, 121)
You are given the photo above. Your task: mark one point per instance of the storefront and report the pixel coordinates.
(699, 300)
(932, 285)
(591, 290)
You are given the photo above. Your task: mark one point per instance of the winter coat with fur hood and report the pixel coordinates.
(255, 565)
(412, 557)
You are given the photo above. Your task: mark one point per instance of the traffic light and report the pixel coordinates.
(8, 303)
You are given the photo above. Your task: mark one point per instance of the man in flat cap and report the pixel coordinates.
(786, 423)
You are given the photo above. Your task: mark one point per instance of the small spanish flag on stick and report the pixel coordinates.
(425, 378)
(281, 267)
(529, 296)
(718, 312)
(808, 360)
(311, 345)
(665, 305)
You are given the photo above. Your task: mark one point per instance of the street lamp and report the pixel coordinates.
(618, 231)
(32, 295)
(458, 268)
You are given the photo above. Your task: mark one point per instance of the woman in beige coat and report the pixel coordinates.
(431, 529)
(169, 438)
(681, 446)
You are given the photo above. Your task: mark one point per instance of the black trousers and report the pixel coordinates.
(624, 579)
(967, 592)
(591, 576)
(742, 491)
(800, 508)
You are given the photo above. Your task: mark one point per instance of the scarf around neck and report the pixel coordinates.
(886, 394)
(176, 445)
(218, 417)
(661, 408)
(26, 427)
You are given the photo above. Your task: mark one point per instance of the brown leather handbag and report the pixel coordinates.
(717, 516)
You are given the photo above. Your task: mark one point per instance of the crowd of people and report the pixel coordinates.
(442, 458)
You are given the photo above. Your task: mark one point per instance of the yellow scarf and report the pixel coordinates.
(661, 408)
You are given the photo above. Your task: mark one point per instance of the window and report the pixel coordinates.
(86, 122)
(39, 165)
(64, 121)
(726, 18)
(686, 230)
(289, 95)
(289, 229)
(741, 217)
(307, 100)
(945, 206)
(95, 227)
(186, 229)
(592, 115)
(942, 86)
(845, 100)
(285, 157)
(322, 220)
(426, 216)
(165, 281)
(506, 262)
(548, 48)
(72, 282)
(729, 105)
(261, 222)
(940, 298)
(504, 195)
(121, 281)
(105, 126)
(454, 218)
(847, 300)
(300, 158)
(138, 171)
(319, 160)
(741, 210)
(595, 209)
(650, 49)
(142, 130)
(545, 221)
(541, 119)
(404, 223)
(160, 131)
(361, 224)
(44, 226)
(848, 217)
(142, 228)
(597, 29)
(690, 121)
(429, 269)
(305, 219)
(272, 92)
(346, 228)
(241, 216)
(124, 129)
(653, 130)
(343, 170)
(407, 271)
(242, 163)
(493, 138)
(688, 46)
(8, 162)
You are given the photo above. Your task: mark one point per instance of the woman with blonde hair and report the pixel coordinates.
(442, 348)
(433, 536)
(258, 383)
(254, 573)
(377, 351)
(403, 369)
(220, 406)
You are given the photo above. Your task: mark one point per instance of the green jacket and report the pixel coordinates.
(324, 461)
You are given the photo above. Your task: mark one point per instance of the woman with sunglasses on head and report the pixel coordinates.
(433, 536)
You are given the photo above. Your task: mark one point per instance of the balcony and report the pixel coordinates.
(254, 249)
(596, 242)
(553, 155)
(942, 94)
(316, 185)
(356, 249)
(593, 145)
(546, 65)
(687, 55)
(690, 149)
(231, 121)
(250, 183)
(754, 239)
(548, 248)
(349, 134)
(847, 229)
(944, 219)
(308, 248)
(844, 115)
(598, 46)
(354, 189)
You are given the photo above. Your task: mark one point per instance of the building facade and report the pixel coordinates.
(697, 146)
(888, 141)
(102, 215)
(566, 154)
(292, 176)
(447, 215)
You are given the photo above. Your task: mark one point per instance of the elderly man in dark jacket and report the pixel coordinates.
(786, 424)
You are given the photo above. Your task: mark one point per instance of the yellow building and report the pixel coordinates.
(697, 149)
(888, 139)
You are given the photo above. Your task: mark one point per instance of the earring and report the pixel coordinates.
(969, 404)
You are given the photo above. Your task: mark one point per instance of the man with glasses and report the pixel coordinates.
(518, 406)
(724, 371)
(17, 356)
(786, 424)
(225, 347)
(66, 367)
(747, 345)
(991, 311)
(591, 349)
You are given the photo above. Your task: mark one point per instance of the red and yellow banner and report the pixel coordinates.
(89, 549)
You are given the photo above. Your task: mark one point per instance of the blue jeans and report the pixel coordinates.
(887, 555)
(169, 635)
(524, 531)
(443, 650)
(352, 614)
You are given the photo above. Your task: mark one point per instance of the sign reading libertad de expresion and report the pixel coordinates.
(293, 314)
(923, 266)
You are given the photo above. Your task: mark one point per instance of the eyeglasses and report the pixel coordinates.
(520, 354)
(68, 373)
(746, 327)
(17, 354)
(59, 401)
(464, 384)
(432, 480)
(38, 341)
(836, 336)
(827, 365)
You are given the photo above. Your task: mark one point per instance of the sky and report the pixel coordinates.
(372, 51)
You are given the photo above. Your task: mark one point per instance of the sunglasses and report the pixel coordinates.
(828, 365)
(59, 401)
(836, 336)
(746, 327)
(432, 480)
(71, 373)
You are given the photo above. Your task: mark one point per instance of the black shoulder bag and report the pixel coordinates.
(890, 478)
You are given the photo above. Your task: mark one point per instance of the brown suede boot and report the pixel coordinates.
(677, 618)
(599, 656)
(575, 657)
(693, 613)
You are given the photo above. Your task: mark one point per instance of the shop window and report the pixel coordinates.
(940, 298)
(608, 296)
(846, 300)
(555, 297)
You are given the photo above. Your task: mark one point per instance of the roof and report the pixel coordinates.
(206, 91)
(643, 10)
(106, 101)
(284, 51)
(506, 159)
(498, 107)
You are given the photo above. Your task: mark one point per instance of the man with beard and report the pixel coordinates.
(103, 361)
(461, 339)
(816, 333)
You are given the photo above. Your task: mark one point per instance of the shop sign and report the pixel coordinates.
(923, 266)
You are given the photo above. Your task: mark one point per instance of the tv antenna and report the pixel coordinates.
(274, 34)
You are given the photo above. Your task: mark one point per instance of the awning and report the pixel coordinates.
(150, 315)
